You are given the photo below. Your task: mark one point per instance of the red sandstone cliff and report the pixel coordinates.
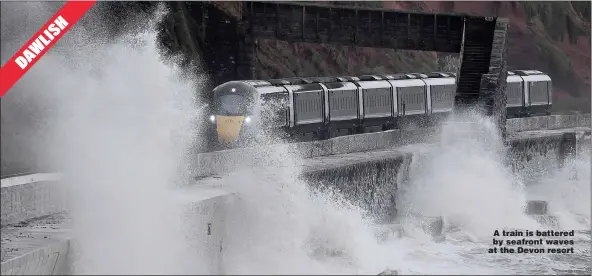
(553, 37)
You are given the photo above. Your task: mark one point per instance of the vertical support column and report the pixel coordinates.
(459, 103)
(492, 94)
(567, 147)
(187, 27)
(245, 55)
(245, 58)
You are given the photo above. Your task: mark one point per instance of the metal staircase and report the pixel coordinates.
(476, 55)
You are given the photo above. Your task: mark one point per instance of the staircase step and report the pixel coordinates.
(476, 59)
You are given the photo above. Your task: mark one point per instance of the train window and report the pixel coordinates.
(377, 101)
(232, 104)
(539, 92)
(442, 96)
(514, 92)
(412, 99)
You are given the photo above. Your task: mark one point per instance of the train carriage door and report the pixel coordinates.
(550, 92)
(412, 96)
(309, 103)
(343, 101)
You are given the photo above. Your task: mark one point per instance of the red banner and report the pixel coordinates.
(41, 42)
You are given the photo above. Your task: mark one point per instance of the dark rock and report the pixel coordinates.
(433, 226)
(536, 207)
(547, 220)
(389, 272)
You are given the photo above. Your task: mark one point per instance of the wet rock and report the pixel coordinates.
(538, 210)
(536, 207)
(388, 231)
(439, 238)
(433, 226)
(389, 272)
(547, 220)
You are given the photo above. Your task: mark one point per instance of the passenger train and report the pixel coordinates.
(324, 107)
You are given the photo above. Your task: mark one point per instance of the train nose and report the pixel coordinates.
(228, 128)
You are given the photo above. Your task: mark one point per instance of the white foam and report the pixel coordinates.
(122, 127)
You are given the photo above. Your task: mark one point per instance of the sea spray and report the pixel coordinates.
(466, 181)
(121, 124)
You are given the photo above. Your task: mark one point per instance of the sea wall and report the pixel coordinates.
(30, 196)
(221, 162)
(354, 165)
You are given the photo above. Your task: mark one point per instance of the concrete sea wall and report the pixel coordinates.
(548, 122)
(39, 247)
(30, 196)
(221, 162)
(35, 238)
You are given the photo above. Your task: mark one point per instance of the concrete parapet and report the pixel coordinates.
(561, 121)
(30, 196)
(363, 142)
(370, 181)
(207, 208)
(513, 125)
(49, 260)
(526, 145)
(567, 147)
(27, 247)
(42, 246)
(37, 247)
(221, 162)
(584, 121)
(548, 122)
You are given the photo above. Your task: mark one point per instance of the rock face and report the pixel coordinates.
(538, 210)
(553, 37)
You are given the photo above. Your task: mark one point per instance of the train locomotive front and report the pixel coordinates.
(232, 113)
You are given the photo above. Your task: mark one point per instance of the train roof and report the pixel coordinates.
(370, 77)
(234, 87)
(254, 84)
(527, 72)
(440, 75)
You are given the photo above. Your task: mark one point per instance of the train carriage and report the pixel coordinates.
(441, 90)
(378, 108)
(515, 101)
(324, 107)
(412, 100)
(307, 114)
(343, 104)
(537, 92)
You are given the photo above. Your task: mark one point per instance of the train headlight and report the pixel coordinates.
(212, 118)
(247, 119)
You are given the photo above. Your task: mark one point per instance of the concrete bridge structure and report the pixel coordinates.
(36, 229)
